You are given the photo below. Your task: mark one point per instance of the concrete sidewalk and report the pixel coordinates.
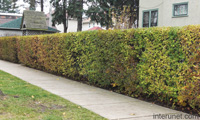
(105, 103)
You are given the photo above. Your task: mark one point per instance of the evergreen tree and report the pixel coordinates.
(42, 5)
(75, 10)
(65, 9)
(8, 6)
(101, 10)
(79, 14)
(33, 4)
(59, 16)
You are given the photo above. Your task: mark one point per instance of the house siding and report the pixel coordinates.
(72, 26)
(87, 26)
(165, 12)
(4, 32)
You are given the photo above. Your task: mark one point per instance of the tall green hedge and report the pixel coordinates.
(159, 63)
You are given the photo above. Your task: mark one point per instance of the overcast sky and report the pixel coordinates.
(23, 6)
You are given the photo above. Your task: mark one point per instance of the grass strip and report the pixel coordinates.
(20, 100)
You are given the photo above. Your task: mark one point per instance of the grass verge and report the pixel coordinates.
(20, 100)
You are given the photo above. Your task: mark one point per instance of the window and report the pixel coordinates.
(180, 9)
(150, 18)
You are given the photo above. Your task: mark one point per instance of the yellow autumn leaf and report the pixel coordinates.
(57, 79)
(32, 96)
(114, 84)
(64, 113)
(132, 114)
(183, 104)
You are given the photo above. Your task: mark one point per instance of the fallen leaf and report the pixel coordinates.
(57, 79)
(4, 98)
(32, 96)
(132, 114)
(16, 96)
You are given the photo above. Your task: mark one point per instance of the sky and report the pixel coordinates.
(23, 6)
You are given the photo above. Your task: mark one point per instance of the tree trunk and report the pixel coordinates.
(64, 17)
(80, 14)
(67, 23)
(42, 5)
(107, 21)
(137, 13)
(79, 28)
(65, 26)
(107, 27)
(32, 4)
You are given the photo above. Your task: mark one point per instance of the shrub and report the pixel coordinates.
(8, 49)
(52, 53)
(190, 41)
(160, 63)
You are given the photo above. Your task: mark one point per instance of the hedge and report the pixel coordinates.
(158, 63)
(8, 49)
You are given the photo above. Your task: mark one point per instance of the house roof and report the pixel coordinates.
(16, 24)
(7, 17)
(95, 28)
(2, 21)
(52, 29)
(34, 20)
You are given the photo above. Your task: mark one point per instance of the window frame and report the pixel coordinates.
(149, 17)
(180, 15)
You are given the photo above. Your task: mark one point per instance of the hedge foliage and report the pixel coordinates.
(8, 49)
(160, 63)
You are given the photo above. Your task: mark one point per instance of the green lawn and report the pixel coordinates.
(22, 101)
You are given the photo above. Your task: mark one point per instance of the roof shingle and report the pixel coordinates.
(16, 24)
(34, 20)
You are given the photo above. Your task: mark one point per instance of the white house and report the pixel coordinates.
(88, 24)
(169, 13)
(72, 25)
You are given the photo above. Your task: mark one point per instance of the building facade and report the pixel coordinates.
(168, 13)
(72, 25)
(7, 17)
(31, 23)
(88, 24)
